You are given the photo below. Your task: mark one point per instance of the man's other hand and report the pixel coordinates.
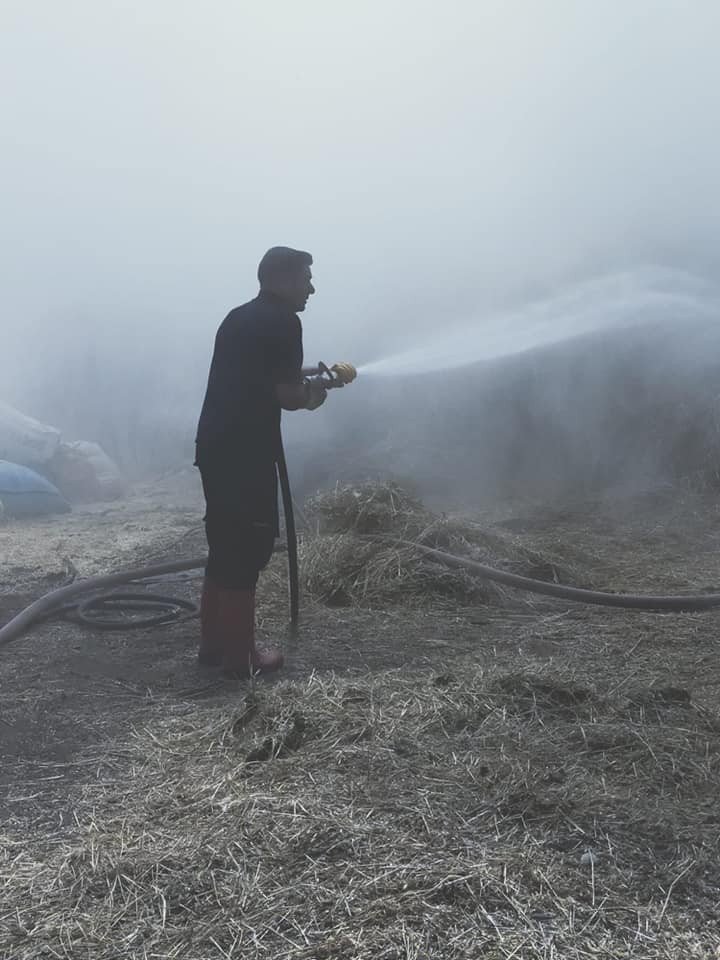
(316, 394)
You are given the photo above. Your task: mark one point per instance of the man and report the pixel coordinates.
(256, 372)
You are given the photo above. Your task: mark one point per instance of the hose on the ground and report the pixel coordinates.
(630, 601)
(51, 602)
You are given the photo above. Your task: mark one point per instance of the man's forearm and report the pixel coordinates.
(292, 396)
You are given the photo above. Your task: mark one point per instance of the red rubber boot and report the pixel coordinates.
(241, 658)
(210, 653)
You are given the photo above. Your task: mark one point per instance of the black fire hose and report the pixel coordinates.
(291, 536)
(55, 600)
(628, 601)
(109, 611)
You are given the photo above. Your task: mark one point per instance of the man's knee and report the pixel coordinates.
(237, 553)
(264, 543)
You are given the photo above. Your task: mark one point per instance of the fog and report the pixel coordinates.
(445, 164)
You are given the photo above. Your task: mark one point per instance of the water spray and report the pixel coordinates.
(620, 302)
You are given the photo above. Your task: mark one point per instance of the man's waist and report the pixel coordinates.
(237, 444)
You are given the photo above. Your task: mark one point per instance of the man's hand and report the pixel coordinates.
(308, 394)
(315, 392)
(291, 396)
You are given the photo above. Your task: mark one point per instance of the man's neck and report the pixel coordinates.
(273, 297)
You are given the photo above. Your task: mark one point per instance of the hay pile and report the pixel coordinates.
(455, 816)
(342, 568)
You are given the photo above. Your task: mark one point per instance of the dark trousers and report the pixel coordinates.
(240, 522)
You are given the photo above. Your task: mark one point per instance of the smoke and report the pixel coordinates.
(492, 167)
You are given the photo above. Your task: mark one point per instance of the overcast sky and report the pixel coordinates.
(431, 155)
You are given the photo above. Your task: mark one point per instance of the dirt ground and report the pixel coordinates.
(68, 692)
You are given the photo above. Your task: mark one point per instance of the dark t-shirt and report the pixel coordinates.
(257, 346)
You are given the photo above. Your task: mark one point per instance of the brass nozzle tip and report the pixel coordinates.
(345, 372)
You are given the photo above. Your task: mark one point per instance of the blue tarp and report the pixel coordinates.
(25, 493)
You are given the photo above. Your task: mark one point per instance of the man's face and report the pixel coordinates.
(299, 288)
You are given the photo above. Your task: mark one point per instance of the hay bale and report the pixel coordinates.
(341, 567)
(341, 570)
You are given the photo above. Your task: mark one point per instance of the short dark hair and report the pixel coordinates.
(282, 260)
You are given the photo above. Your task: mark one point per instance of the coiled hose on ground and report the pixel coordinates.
(57, 599)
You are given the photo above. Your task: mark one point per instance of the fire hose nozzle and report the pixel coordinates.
(338, 375)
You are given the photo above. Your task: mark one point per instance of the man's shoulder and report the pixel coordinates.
(260, 318)
(243, 312)
(242, 320)
(261, 308)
